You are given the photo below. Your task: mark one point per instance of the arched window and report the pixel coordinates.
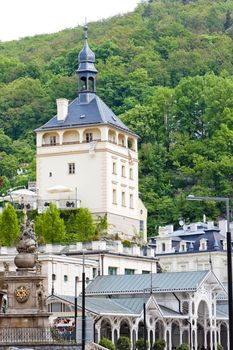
(83, 84)
(91, 85)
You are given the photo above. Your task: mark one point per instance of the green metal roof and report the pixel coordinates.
(137, 284)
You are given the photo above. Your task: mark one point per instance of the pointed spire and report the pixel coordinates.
(86, 71)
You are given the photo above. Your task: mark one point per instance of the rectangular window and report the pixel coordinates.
(71, 168)
(129, 272)
(141, 226)
(131, 201)
(112, 270)
(145, 272)
(131, 174)
(94, 272)
(114, 168)
(114, 196)
(123, 199)
(53, 277)
(65, 278)
(123, 171)
(52, 140)
(89, 137)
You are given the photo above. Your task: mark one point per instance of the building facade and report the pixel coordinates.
(194, 247)
(183, 307)
(86, 156)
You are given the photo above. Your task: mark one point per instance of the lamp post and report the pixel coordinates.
(229, 258)
(83, 306)
(75, 308)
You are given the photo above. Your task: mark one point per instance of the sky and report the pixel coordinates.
(20, 18)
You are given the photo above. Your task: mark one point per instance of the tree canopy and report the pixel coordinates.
(166, 69)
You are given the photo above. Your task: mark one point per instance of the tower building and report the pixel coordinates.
(87, 156)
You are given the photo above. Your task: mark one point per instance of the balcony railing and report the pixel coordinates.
(33, 336)
(43, 204)
(85, 142)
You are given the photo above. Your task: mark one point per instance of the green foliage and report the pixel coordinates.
(84, 226)
(159, 344)
(123, 343)
(140, 344)
(49, 227)
(106, 343)
(126, 243)
(220, 347)
(9, 226)
(167, 69)
(184, 346)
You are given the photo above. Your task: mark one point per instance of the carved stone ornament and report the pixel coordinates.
(22, 294)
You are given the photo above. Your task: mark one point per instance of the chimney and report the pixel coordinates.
(62, 108)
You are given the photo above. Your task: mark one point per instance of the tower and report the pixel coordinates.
(87, 156)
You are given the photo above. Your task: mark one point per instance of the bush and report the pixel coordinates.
(219, 347)
(159, 344)
(140, 344)
(123, 343)
(183, 346)
(106, 343)
(126, 243)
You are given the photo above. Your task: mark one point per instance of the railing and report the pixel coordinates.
(94, 346)
(21, 336)
(85, 142)
(43, 204)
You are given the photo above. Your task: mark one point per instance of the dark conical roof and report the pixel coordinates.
(86, 56)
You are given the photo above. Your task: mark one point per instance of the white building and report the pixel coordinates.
(193, 247)
(63, 263)
(85, 154)
(181, 307)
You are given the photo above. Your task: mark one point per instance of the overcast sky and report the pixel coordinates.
(20, 18)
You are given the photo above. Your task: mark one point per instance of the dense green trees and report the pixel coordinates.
(9, 226)
(50, 228)
(166, 68)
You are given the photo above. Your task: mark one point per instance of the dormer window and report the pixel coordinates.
(203, 244)
(183, 247)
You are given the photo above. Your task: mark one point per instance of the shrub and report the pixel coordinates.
(126, 243)
(140, 344)
(159, 344)
(183, 346)
(219, 347)
(123, 343)
(106, 343)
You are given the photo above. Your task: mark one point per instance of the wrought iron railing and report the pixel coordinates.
(36, 336)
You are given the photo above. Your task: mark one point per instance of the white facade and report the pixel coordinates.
(103, 177)
(101, 258)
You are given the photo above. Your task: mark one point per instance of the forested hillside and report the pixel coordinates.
(166, 69)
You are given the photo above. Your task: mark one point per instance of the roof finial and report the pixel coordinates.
(86, 29)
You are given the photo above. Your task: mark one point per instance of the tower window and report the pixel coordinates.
(83, 84)
(52, 140)
(123, 171)
(89, 136)
(131, 201)
(131, 174)
(163, 247)
(114, 196)
(91, 86)
(114, 171)
(71, 168)
(53, 277)
(123, 199)
(50, 174)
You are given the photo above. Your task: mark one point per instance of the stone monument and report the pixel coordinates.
(25, 287)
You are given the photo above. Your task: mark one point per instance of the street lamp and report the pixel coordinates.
(229, 257)
(84, 280)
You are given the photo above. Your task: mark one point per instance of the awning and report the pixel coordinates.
(59, 189)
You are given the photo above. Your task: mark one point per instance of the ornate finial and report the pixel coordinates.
(27, 240)
(86, 31)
